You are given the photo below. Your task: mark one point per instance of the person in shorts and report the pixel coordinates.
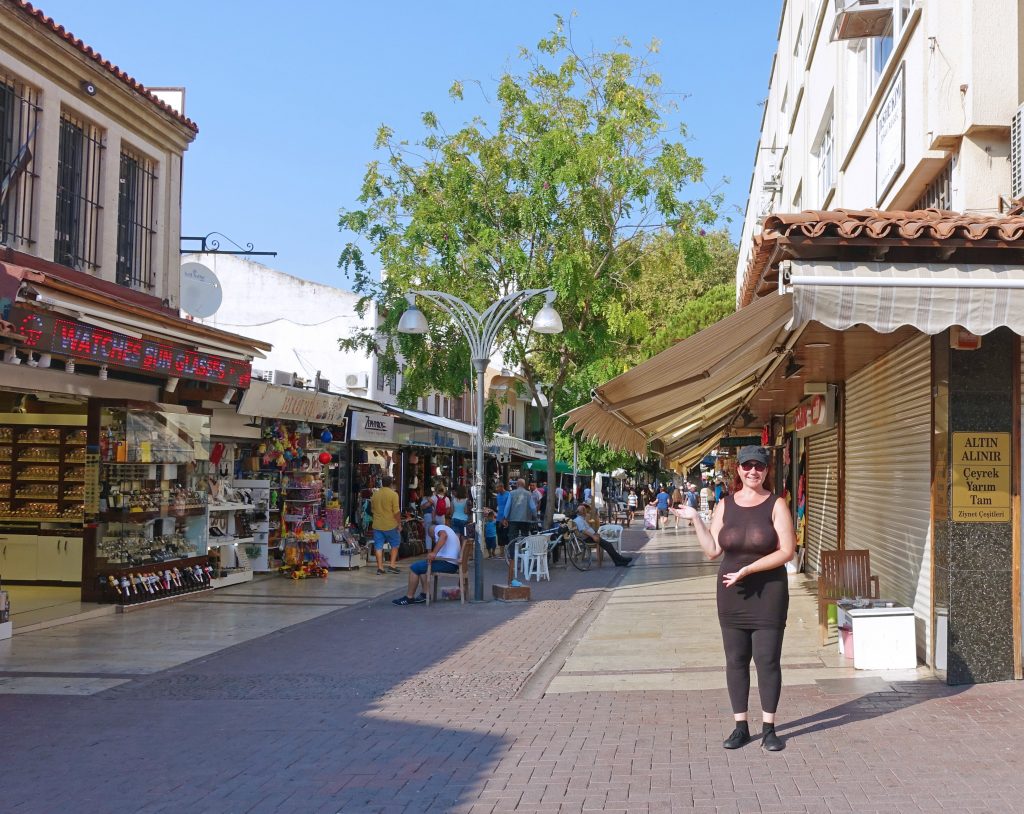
(447, 546)
(387, 521)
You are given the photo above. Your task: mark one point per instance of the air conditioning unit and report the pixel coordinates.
(1017, 155)
(283, 377)
(860, 19)
(263, 375)
(356, 381)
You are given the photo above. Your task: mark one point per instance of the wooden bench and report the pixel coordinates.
(843, 573)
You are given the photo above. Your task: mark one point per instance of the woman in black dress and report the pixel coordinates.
(753, 529)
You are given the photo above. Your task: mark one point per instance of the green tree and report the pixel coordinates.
(564, 189)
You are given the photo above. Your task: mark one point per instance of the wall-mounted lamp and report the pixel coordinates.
(229, 395)
(171, 385)
(69, 366)
(88, 88)
(103, 373)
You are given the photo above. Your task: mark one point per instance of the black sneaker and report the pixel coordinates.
(403, 600)
(393, 570)
(419, 599)
(380, 572)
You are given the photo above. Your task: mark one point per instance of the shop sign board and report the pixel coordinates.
(889, 137)
(276, 401)
(63, 336)
(372, 427)
(816, 414)
(981, 465)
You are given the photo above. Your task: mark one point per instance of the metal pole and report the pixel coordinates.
(481, 494)
(575, 469)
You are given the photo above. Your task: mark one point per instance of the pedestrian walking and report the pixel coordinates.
(387, 519)
(462, 506)
(501, 499)
(754, 531)
(521, 513)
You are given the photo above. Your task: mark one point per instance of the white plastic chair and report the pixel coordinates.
(612, 533)
(519, 556)
(536, 554)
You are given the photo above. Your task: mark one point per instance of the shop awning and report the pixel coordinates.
(889, 296)
(690, 392)
(434, 420)
(277, 401)
(515, 446)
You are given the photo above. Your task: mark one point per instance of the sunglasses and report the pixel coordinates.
(757, 466)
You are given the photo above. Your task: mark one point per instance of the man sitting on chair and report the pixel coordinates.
(584, 528)
(447, 546)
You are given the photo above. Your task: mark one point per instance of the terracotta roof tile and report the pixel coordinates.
(48, 22)
(864, 228)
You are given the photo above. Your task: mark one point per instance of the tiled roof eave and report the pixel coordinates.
(53, 27)
(931, 230)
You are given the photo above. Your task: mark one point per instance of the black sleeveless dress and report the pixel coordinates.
(760, 600)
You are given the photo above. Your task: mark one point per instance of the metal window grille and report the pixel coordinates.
(19, 116)
(939, 193)
(380, 380)
(136, 208)
(79, 164)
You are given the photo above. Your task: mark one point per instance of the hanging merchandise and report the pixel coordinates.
(327, 436)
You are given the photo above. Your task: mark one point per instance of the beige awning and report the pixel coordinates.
(886, 297)
(686, 394)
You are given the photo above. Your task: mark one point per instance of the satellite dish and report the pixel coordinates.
(201, 292)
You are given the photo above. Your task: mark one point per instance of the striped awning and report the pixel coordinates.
(886, 297)
(689, 393)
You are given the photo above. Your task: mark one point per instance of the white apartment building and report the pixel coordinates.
(889, 104)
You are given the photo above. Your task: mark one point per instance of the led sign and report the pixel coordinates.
(48, 333)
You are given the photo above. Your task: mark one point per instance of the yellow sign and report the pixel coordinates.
(981, 477)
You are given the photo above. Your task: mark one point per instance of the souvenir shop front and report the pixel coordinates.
(299, 461)
(104, 444)
(436, 451)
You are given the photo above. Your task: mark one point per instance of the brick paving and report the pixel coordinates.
(382, 709)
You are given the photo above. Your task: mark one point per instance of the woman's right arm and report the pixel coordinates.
(708, 538)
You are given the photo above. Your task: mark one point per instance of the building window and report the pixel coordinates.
(826, 162)
(798, 198)
(380, 380)
(136, 207)
(392, 384)
(19, 114)
(881, 51)
(939, 193)
(798, 45)
(79, 163)
(437, 404)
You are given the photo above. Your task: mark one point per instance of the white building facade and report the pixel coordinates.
(917, 114)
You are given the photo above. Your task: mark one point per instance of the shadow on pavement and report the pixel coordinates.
(373, 708)
(872, 705)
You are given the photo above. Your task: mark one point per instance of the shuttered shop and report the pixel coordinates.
(886, 480)
(820, 533)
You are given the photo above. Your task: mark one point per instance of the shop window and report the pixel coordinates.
(79, 171)
(19, 114)
(136, 218)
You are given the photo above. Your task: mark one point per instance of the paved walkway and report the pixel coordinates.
(373, 708)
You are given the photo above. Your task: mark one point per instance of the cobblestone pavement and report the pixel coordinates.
(375, 708)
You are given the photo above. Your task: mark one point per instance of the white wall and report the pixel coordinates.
(302, 319)
(962, 67)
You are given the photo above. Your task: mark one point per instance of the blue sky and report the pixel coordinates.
(288, 96)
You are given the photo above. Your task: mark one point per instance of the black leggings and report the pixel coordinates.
(765, 645)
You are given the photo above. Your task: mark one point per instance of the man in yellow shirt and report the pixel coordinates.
(387, 518)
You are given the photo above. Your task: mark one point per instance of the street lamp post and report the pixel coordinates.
(481, 331)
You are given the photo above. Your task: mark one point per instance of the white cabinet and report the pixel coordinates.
(58, 558)
(18, 557)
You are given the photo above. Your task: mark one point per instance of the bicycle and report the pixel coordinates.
(577, 551)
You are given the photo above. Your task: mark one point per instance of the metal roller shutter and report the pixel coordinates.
(822, 498)
(887, 476)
